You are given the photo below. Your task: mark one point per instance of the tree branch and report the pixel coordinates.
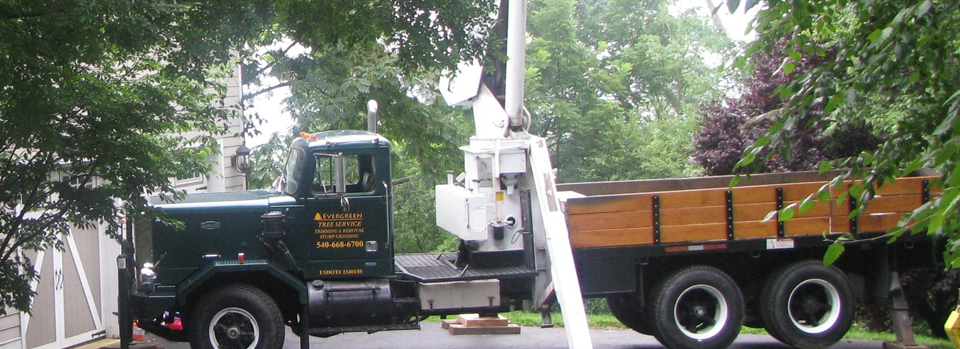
(399, 181)
(268, 89)
(284, 52)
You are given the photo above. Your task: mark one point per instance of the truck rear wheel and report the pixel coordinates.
(627, 309)
(807, 305)
(236, 317)
(697, 307)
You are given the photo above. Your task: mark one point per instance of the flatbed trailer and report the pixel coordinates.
(645, 245)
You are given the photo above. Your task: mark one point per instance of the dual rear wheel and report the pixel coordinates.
(805, 305)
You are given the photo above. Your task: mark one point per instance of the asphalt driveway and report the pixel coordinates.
(432, 336)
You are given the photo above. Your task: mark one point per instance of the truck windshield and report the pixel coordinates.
(291, 172)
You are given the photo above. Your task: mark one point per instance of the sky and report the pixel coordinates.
(271, 109)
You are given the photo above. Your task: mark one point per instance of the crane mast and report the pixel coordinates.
(505, 205)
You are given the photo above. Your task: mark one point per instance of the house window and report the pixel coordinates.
(191, 178)
(75, 181)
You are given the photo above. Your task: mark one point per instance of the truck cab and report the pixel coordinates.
(319, 246)
(341, 200)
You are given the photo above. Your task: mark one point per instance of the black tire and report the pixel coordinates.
(627, 309)
(807, 305)
(236, 317)
(697, 307)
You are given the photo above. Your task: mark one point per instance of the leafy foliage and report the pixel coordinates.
(603, 124)
(93, 98)
(895, 67)
(733, 125)
(266, 162)
(105, 92)
(614, 85)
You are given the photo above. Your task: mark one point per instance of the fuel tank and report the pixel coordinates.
(350, 303)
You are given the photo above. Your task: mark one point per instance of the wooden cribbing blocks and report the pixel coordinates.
(474, 324)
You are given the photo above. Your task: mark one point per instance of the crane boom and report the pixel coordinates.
(503, 166)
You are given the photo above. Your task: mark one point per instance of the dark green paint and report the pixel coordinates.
(220, 226)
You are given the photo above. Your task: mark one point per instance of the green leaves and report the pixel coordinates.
(888, 65)
(833, 253)
(732, 5)
(93, 114)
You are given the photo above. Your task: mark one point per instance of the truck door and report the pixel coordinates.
(348, 217)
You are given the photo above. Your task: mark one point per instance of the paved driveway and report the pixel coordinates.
(432, 336)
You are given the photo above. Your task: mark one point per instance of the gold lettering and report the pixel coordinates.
(340, 216)
(340, 244)
(341, 272)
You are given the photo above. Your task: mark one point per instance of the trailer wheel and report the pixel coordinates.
(697, 307)
(807, 305)
(627, 309)
(236, 317)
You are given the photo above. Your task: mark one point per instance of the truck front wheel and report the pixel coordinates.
(236, 317)
(807, 305)
(697, 307)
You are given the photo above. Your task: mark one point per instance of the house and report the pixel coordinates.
(77, 291)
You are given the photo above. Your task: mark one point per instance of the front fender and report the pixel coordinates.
(192, 283)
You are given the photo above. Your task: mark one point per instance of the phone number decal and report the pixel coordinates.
(340, 244)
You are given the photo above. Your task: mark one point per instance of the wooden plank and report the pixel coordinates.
(806, 226)
(674, 184)
(903, 186)
(819, 209)
(474, 320)
(458, 329)
(715, 197)
(894, 203)
(754, 229)
(611, 237)
(880, 204)
(609, 220)
(878, 222)
(755, 194)
(800, 191)
(839, 224)
(695, 215)
(609, 204)
(752, 212)
(842, 209)
(693, 233)
(692, 198)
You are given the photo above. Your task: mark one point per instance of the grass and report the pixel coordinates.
(607, 321)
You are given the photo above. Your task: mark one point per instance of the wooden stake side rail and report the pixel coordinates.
(722, 213)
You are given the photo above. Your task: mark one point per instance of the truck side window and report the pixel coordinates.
(341, 173)
(324, 175)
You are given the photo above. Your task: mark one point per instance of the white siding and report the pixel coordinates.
(10, 336)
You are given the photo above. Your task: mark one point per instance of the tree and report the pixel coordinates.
(615, 85)
(266, 162)
(93, 97)
(895, 68)
(108, 91)
(731, 126)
